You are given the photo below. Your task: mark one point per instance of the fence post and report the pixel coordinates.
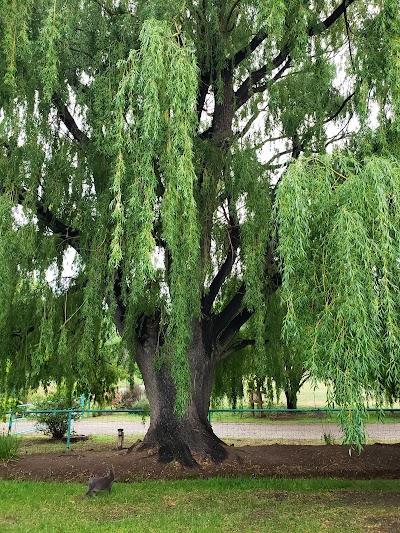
(10, 422)
(120, 440)
(69, 429)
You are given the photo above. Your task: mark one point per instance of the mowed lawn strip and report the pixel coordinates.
(215, 505)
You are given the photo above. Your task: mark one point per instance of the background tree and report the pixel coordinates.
(285, 362)
(280, 367)
(134, 134)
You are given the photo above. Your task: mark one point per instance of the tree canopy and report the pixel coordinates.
(178, 151)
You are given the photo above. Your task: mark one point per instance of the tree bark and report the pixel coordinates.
(190, 437)
(291, 398)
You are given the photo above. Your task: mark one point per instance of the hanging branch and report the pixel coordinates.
(69, 120)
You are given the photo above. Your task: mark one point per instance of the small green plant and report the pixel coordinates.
(143, 403)
(9, 445)
(51, 422)
(329, 440)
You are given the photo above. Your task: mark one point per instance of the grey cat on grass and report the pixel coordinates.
(97, 484)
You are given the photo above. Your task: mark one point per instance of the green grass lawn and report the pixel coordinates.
(41, 444)
(215, 505)
(295, 417)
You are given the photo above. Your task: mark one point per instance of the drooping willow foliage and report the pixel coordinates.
(149, 131)
(156, 122)
(339, 241)
(143, 142)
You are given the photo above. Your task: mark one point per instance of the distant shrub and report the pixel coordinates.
(51, 423)
(9, 445)
(142, 404)
(132, 398)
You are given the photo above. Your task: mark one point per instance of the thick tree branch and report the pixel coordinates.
(349, 40)
(120, 309)
(232, 9)
(339, 11)
(229, 312)
(234, 348)
(225, 269)
(232, 318)
(245, 52)
(57, 226)
(232, 328)
(305, 377)
(246, 90)
(69, 120)
(203, 91)
(340, 108)
(278, 75)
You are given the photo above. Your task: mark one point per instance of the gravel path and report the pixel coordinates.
(379, 432)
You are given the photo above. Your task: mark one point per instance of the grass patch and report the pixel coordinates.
(215, 505)
(9, 446)
(117, 417)
(295, 417)
(273, 417)
(97, 443)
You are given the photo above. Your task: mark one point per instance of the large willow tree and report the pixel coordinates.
(147, 139)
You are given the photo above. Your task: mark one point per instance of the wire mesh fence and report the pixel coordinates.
(99, 429)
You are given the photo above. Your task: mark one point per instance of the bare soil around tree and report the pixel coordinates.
(283, 461)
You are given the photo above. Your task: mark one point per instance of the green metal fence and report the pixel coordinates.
(323, 411)
(71, 414)
(297, 425)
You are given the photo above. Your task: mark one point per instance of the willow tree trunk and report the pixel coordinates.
(189, 437)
